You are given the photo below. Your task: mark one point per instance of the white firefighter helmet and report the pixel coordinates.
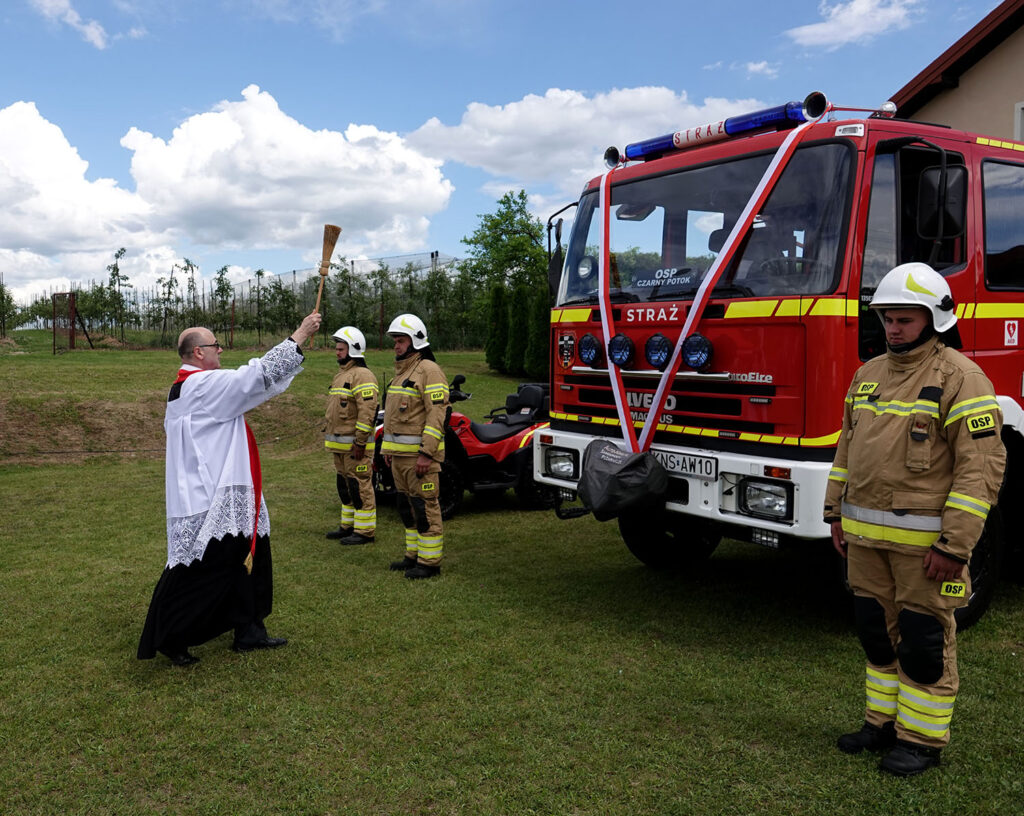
(354, 338)
(916, 285)
(411, 325)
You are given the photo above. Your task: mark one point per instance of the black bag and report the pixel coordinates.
(614, 481)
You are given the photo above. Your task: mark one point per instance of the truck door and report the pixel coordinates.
(900, 176)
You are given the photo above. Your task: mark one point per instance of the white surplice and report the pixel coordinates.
(209, 487)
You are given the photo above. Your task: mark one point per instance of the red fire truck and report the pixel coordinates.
(712, 307)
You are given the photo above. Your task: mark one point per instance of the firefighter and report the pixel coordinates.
(351, 414)
(415, 411)
(916, 472)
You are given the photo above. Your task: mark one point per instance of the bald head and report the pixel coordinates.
(197, 346)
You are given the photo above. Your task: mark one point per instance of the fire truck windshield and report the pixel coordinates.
(667, 229)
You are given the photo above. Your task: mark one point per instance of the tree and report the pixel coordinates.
(221, 299)
(518, 329)
(497, 330)
(507, 251)
(116, 283)
(8, 311)
(508, 246)
(537, 357)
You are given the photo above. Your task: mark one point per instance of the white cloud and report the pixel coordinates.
(762, 68)
(559, 138)
(855, 21)
(248, 175)
(242, 176)
(62, 11)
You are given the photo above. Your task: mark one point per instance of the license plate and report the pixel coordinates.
(685, 464)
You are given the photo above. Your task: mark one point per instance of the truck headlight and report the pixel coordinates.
(562, 463)
(769, 500)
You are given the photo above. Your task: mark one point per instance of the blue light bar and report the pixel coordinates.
(793, 113)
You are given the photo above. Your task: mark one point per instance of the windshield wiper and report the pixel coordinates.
(722, 290)
(591, 298)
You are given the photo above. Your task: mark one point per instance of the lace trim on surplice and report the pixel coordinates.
(230, 514)
(280, 362)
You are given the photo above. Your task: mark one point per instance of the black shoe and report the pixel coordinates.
(869, 738)
(404, 564)
(909, 759)
(263, 643)
(356, 538)
(341, 532)
(422, 571)
(183, 658)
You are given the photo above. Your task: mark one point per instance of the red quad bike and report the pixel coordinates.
(485, 458)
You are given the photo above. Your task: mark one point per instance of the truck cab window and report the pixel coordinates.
(892, 233)
(1004, 225)
(667, 230)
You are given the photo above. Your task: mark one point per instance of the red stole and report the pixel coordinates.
(254, 471)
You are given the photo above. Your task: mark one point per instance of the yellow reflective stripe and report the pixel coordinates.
(571, 315)
(400, 391)
(367, 390)
(999, 311)
(881, 689)
(975, 507)
(527, 437)
(339, 391)
(923, 701)
(750, 308)
(881, 678)
(838, 474)
(362, 426)
(792, 307)
(398, 447)
(972, 406)
(431, 546)
(897, 407)
(982, 140)
(928, 714)
(821, 441)
(878, 532)
(829, 307)
(434, 432)
(807, 442)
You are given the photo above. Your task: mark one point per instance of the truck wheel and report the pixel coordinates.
(452, 489)
(667, 540)
(985, 566)
(383, 481)
(535, 496)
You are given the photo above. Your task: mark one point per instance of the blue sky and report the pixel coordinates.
(230, 131)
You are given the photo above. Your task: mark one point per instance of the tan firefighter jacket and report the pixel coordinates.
(415, 408)
(920, 459)
(351, 407)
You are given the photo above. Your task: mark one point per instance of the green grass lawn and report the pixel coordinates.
(545, 672)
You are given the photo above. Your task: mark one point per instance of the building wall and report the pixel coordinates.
(985, 100)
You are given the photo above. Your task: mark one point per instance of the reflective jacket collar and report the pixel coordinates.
(407, 364)
(912, 359)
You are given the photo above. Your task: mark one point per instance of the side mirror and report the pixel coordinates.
(929, 194)
(555, 260)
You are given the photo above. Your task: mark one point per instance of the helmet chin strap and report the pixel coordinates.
(927, 333)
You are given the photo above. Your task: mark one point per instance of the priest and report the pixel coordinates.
(218, 575)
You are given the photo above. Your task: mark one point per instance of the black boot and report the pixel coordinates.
(869, 738)
(404, 564)
(356, 538)
(422, 571)
(341, 532)
(909, 759)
